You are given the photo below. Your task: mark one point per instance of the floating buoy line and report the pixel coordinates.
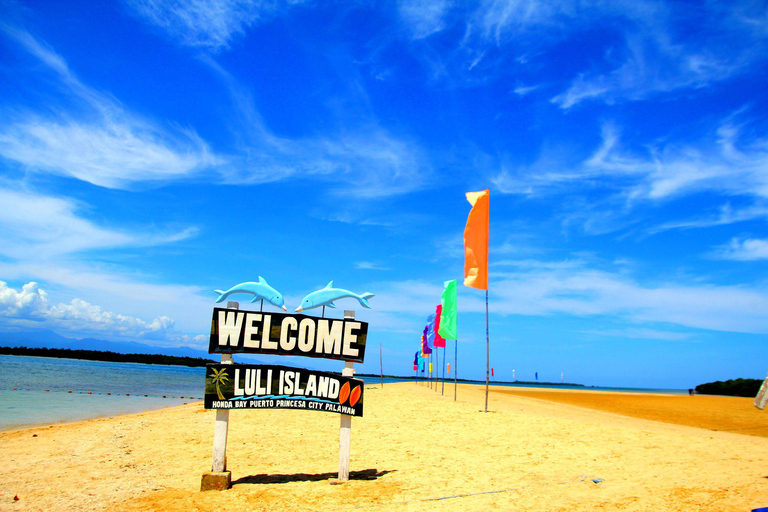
(117, 394)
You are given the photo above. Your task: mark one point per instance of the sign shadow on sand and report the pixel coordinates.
(364, 474)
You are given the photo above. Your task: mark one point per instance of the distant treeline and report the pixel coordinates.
(449, 378)
(733, 387)
(98, 355)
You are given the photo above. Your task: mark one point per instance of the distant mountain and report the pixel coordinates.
(35, 339)
(49, 339)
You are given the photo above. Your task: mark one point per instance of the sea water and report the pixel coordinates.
(50, 390)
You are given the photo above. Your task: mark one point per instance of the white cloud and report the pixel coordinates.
(104, 144)
(587, 292)
(643, 334)
(551, 288)
(210, 24)
(369, 265)
(32, 306)
(31, 302)
(750, 249)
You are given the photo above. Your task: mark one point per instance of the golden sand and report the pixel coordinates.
(725, 413)
(413, 450)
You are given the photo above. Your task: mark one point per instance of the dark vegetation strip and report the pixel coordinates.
(98, 355)
(733, 387)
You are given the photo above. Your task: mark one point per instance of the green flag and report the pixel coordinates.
(448, 316)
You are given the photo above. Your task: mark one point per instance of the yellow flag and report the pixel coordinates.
(476, 241)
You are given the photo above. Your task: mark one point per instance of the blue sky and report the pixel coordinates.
(153, 151)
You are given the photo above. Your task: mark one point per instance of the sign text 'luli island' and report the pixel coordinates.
(249, 386)
(253, 332)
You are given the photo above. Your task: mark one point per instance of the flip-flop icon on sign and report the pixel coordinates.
(353, 396)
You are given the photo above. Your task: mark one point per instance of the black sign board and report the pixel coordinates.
(254, 332)
(259, 386)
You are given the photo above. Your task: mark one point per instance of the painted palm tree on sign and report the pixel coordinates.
(219, 378)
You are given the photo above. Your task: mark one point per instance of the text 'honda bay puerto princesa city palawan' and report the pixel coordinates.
(247, 386)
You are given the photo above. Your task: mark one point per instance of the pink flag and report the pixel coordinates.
(439, 340)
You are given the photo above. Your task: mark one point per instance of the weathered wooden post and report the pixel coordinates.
(345, 428)
(219, 479)
(762, 395)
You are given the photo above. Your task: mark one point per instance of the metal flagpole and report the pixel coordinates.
(442, 391)
(381, 366)
(455, 366)
(429, 370)
(487, 352)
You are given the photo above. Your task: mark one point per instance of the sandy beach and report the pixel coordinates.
(540, 450)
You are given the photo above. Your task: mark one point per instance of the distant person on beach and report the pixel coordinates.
(690, 391)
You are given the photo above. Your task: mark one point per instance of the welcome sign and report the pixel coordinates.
(235, 331)
(257, 386)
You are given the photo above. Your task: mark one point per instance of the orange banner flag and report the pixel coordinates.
(476, 241)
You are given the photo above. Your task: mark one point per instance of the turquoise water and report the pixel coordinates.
(49, 390)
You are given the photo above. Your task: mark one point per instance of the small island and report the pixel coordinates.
(732, 387)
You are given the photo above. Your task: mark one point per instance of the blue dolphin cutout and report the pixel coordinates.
(327, 295)
(260, 290)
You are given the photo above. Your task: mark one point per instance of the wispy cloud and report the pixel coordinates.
(37, 227)
(652, 47)
(424, 17)
(653, 65)
(109, 153)
(725, 163)
(97, 141)
(363, 161)
(209, 24)
(523, 90)
(743, 249)
(726, 214)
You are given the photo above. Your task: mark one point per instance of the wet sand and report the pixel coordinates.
(724, 413)
(413, 450)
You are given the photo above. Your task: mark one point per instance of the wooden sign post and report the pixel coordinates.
(345, 428)
(219, 479)
(762, 395)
